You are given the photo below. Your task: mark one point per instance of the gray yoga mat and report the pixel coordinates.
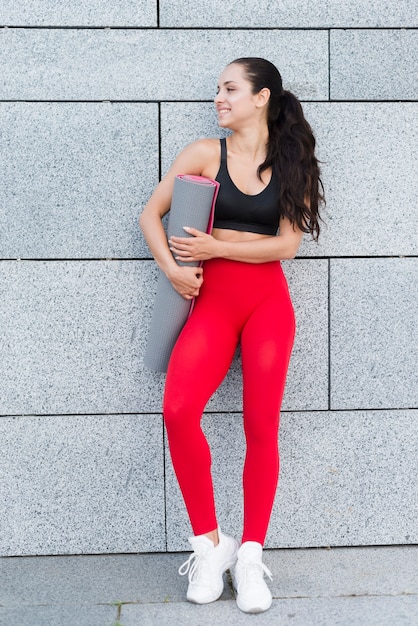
(192, 205)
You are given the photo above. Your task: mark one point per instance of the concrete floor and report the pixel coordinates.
(364, 586)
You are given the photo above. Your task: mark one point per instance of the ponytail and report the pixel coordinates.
(291, 152)
(290, 149)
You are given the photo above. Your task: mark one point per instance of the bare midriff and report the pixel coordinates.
(225, 234)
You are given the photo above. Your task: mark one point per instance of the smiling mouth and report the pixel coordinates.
(223, 111)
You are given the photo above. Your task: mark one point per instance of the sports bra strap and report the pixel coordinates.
(223, 149)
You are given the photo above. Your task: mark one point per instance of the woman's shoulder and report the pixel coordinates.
(206, 146)
(199, 157)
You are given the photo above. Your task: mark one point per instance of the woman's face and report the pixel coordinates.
(235, 103)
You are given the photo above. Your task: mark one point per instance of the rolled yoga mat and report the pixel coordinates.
(192, 204)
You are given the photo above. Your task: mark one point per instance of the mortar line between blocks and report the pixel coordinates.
(329, 65)
(329, 334)
(206, 28)
(159, 142)
(165, 484)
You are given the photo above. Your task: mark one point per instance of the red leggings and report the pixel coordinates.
(238, 302)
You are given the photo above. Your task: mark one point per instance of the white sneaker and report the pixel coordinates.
(206, 566)
(253, 595)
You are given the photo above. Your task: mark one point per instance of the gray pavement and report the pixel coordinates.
(370, 586)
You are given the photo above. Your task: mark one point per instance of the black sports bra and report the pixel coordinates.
(236, 210)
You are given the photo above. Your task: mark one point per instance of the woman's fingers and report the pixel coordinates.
(181, 243)
(200, 247)
(187, 281)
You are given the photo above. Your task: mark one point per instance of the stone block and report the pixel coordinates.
(353, 571)
(62, 615)
(185, 122)
(152, 578)
(307, 383)
(81, 484)
(370, 185)
(373, 64)
(78, 13)
(90, 579)
(369, 154)
(373, 327)
(149, 64)
(346, 478)
(86, 580)
(74, 335)
(380, 611)
(74, 177)
(287, 14)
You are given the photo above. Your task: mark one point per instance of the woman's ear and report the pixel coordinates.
(263, 97)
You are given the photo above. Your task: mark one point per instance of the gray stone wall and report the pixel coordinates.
(96, 98)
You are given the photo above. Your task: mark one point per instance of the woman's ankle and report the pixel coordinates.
(213, 535)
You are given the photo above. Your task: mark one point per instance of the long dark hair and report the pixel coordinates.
(291, 148)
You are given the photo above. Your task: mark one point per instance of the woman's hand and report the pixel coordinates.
(200, 247)
(186, 280)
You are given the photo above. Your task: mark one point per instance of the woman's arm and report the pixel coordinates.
(202, 246)
(192, 160)
(283, 246)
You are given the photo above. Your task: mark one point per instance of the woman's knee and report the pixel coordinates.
(180, 413)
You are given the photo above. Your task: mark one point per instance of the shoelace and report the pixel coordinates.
(251, 571)
(192, 566)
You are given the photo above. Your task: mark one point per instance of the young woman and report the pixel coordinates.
(269, 196)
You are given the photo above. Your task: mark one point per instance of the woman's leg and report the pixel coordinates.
(199, 362)
(266, 346)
